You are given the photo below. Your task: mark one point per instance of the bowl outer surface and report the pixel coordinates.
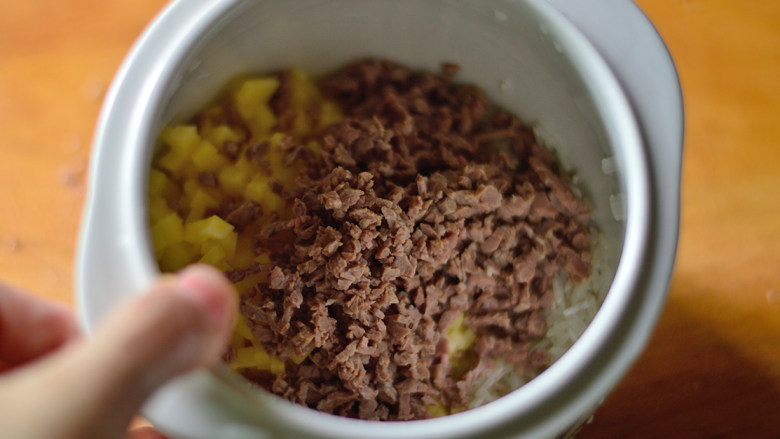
(111, 229)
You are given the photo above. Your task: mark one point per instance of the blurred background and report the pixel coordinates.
(712, 367)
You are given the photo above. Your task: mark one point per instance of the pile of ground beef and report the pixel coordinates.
(425, 202)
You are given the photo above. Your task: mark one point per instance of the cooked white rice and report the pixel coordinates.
(573, 307)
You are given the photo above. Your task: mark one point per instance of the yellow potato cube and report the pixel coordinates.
(254, 93)
(298, 359)
(200, 201)
(276, 153)
(206, 157)
(315, 147)
(276, 139)
(158, 208)
(167, 231)
(263, 258)
(277, 366)
(459, 336)
(242, 328)
(233, 178)
(212, 227)
(259, 191)
(254, 356)
(211, 117)
(176, 256)
(181, 138)
(302, 124)
(303, 90)
(436, 410)
(287, 176)
(331, 113)
(220, 134)
(249, 282)
(244, 254)
(262, 121)
(190, 186)
(227, 244)
(172, 161)
(158, 181)
(216, 257)
(251, 100)
(162, 185)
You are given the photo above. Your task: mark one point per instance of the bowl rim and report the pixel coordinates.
(130, 95)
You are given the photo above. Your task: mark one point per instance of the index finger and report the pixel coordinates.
(31, 327)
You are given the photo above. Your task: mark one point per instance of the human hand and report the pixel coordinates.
(54, 384)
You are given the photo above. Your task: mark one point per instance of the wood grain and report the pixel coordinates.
(712, 368)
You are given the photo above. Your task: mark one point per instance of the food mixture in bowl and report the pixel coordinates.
(402, 248)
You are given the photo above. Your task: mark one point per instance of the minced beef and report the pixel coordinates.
(425, 202)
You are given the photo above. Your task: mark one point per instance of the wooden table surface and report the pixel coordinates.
(712, 367)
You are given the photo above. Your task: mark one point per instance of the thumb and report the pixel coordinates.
(184, 321)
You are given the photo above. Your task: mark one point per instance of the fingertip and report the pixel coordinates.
(144, 433)
(207, 288)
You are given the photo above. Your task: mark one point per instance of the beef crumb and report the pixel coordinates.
(425, 202)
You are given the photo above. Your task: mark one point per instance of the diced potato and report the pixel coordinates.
(257, 358)
(167, 231)
(259, 191)
(276, 139)
(228, 244)
(220, 134)
(437, 410)
(315, 146)
(251, 99)
(158, 182)
(172, 161)
(254, 356)
(249, 282)
(253, 93)
(263, 121)
(331, 113)
(210, 232)
(209, 118)
(244, 254)
(181, 138)
(297, 359)
(162, 185)
(199, 202)
(233, 178)
(211, 227)
(206, 157)
(459, 336)
(303, 90)
(158, 208)
(276, 366)
(242, 328)
(285, 174)
(176, 256)
(216, 256)
(276, 153)
(302, 124)
(191, 186)
(189, 170)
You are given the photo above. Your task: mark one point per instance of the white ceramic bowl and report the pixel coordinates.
(595, 78)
